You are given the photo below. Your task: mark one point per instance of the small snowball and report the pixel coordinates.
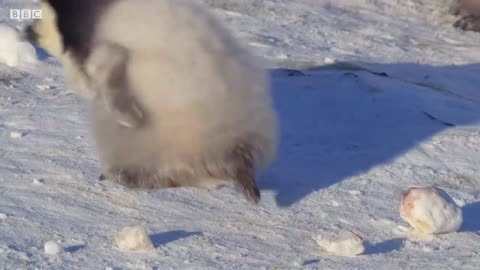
(348, 244)
(43, 87)
(355, 192)
(16, 134)
(430, 210)
(427, 249)
(322, 215)
(401, 230)
(134, 238)
(298, 262)
(52, 248)
(14, 51)
(38, 181)
(334, 203)
(329, 60)
(3, 216)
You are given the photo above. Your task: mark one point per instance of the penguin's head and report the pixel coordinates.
(45, 32)
(67, 26)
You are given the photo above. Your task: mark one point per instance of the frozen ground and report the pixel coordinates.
(400, 108)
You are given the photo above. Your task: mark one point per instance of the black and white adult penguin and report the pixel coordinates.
(175, 100)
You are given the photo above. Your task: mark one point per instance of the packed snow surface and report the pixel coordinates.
(373, 97)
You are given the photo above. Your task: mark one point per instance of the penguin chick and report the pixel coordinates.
(194, 106)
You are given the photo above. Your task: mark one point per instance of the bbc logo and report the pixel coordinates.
(25, 14)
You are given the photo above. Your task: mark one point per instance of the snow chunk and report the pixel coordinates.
(329, 61)
(43, 87)
(348, 244)
(134, 238)
(14, 51)
(430, 210)
(38, 181)
(23, 256)
(16, 134)
(52, 248)
(298, 262)
(3, 216)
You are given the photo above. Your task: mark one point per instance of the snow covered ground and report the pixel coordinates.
(399, 107)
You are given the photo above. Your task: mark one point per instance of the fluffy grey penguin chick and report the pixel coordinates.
(175, 101)
(469, 12)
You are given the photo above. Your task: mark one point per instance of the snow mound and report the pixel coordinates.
(347, 244)
(134, 238)
(13, 51)
(430, 210)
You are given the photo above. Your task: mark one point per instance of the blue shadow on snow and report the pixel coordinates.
(341, 120)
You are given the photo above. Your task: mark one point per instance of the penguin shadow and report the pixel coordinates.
(311, 262)
(160, 239)
(341, 120)
(384, 247)
(471, 218)
(41, 53)
(73, 249)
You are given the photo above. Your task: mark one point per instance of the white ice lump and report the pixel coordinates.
(134, 239)
(430, 210)
(14, 51)
(347, 244)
